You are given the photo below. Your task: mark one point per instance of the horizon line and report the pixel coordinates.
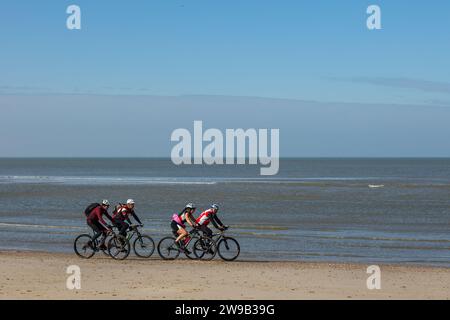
(168, 158)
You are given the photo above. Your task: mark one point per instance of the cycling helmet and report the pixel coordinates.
(105, 202)
(215, 207)
(130, 201)
(190, 205)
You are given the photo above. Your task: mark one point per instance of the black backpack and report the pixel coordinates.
(91, 207)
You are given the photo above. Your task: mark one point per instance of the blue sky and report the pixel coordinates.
(302, 50)
(313, 50)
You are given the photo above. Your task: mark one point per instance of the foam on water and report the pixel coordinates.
(72, 180)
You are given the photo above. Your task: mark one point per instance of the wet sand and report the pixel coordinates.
(36, 275)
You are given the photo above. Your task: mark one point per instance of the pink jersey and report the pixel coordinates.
(177, 219)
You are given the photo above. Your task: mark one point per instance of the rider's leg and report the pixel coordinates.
(122, 226)
(177, 231)
(182, 234)
(207, 231)
(103, 239)
(174, 227)
(96, 229)
(124, 229)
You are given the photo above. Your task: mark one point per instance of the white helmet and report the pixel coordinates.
(130, 201)
(215, 207)
(105, 202)
(190, 205)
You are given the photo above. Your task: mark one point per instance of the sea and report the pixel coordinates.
(337, 210)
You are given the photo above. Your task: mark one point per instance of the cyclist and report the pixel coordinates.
(207, 216)
(178, 223)
(98, 225)
(122, 215)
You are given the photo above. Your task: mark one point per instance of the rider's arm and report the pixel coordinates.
(216, 222)
(127, 219)
(108, 216)
(99, 215)
(135, 217)
(190, 220)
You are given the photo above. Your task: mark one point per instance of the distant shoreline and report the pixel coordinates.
(281, 158)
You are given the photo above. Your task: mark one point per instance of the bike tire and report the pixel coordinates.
(119, 247)
(224, 244)
(205, 251)
(138, 242)
(82, 240)
(190, 248)
(167, 246)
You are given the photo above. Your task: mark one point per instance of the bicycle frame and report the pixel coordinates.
(112, 233)
(192, 233)
(218, 236)
(132, 233)
(135, 231)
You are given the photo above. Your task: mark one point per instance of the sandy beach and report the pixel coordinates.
(36, 275)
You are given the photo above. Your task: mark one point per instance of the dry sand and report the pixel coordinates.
(32, 275)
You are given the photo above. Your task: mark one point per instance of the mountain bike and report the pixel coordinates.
(228, 248)
(168, 249)
(143, 245)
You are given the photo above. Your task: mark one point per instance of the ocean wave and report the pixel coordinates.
(173, 180)
(313, 182)
(71, 180)
(36, 226)
(378, 238)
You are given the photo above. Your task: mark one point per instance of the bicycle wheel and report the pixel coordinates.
(205, 249)
(83, 246)
(144, 246)
(119, 247)
(167, 248)
(228, 248)
(189, 252)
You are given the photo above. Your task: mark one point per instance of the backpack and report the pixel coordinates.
(116, 209)
(90, 207)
